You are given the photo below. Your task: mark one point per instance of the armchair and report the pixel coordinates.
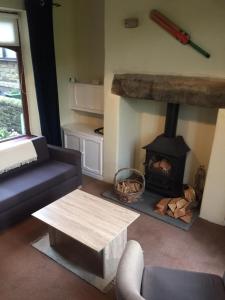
(134, 281)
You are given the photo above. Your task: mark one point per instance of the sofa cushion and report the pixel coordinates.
(161, 283)
(33, 181)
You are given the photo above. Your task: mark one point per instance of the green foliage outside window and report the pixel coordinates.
(10, 117)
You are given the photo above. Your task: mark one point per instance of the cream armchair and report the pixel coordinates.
(134, 281)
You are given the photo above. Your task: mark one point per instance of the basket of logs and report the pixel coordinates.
(129, 189)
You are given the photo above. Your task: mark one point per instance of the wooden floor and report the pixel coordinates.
(26, 274)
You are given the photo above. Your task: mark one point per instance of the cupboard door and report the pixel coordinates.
(88, 97)
(72, 142)
(92, 155)
(82, 97)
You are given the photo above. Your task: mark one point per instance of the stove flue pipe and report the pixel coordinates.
(171, 120)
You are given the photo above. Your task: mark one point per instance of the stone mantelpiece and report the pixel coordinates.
(200, 91)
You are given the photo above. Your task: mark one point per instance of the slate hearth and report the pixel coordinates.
(146, 204)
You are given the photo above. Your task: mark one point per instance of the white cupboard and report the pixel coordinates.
(88, 97)
(83, 138)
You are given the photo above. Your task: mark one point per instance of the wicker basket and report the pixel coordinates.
(136, 178)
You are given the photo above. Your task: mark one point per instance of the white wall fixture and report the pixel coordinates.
(88, 97)
(131, 23)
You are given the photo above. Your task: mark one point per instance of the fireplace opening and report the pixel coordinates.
(166, 158)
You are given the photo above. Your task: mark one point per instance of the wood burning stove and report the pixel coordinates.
(166, 157)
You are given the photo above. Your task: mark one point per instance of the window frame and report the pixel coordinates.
(18, 51)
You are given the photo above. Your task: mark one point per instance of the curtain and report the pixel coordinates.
(40, 23)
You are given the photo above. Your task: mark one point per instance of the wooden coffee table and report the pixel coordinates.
(88, 234)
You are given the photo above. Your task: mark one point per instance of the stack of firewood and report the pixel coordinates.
(178, 208)
(128, 186)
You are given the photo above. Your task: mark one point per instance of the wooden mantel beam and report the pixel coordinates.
(200, 91)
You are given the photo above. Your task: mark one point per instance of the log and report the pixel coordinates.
(137, 186)
(165, 165)
(179, 212)
(128, 187)
(162, 205)
(173, 204)
(156, 165)
(170, 213)
(181, 203)
(119, 187)
(184, 210)
(187, 218)
(177, 208)
(189, 194)
(159, 211)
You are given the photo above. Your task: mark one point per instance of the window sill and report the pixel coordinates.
(16, 139)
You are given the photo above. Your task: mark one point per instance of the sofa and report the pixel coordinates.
(135, 281)
(25, 189)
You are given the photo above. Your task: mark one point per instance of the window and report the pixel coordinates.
(13, 104)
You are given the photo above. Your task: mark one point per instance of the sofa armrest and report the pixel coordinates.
(65, 155)
(130, 272)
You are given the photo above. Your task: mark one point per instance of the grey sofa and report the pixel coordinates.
(134, 281)
(26, 189)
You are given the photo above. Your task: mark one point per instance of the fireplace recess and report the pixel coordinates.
(166, 157)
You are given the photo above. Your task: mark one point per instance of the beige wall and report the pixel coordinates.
(12, 4)
(64, 24)
(89, 39)
(148, 49)
(79, 46)
(213, 204)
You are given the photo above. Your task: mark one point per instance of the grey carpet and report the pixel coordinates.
(27, 274)
(146, 204)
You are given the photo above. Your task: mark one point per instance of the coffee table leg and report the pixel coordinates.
(52, 236)
(112, 254)
(110, 257)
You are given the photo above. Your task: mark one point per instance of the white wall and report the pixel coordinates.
(148, 49)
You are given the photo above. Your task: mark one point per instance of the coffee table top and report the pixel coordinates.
(86, 218)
